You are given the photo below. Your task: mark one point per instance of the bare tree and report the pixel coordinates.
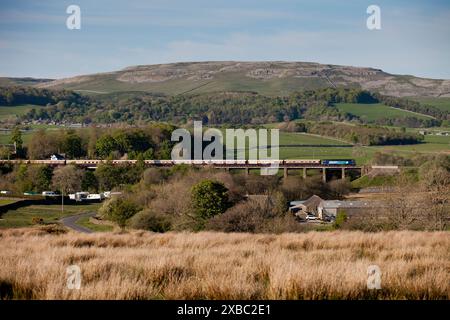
(436, 184)
(67, 179)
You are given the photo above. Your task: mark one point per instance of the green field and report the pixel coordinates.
(287, 138)
(26, 135)
(362, 154)
(377, 181)
(6, 138)
(84, 222)
(321, 151)
(14, 111)
(441, 103)
(376, 111)
(307, 146)
(4, 202)
(431, 144)
(22, 217)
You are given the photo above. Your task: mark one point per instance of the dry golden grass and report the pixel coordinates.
(207, 265)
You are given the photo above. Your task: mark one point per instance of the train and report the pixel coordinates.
(340, 162)
(164, 163)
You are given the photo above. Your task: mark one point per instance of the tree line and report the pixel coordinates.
(17, 95)
(213, 108)
(148, 142)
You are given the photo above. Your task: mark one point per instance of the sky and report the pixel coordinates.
(35, 42)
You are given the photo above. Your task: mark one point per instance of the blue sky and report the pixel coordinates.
(34, 40)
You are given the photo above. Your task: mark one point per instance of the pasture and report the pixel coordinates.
(375, 111)
(441, 103)
(8, 112)
(431, 144)
(23, 217)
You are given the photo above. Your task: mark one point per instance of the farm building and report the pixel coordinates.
(310, 205)
(330, 208)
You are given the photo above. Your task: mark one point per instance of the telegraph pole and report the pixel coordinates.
(62, 200)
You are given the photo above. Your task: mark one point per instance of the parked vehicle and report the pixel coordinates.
(30, 193)
(86, 196)
(311, 217)
(5, 192)
(95, 197)
(79, 196)
(50, 194)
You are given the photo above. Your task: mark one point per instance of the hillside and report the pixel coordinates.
(268, 78)
(8, 82)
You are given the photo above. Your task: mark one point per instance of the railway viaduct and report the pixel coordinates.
(340, 171)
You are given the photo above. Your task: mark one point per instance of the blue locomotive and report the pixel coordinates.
(348, 162)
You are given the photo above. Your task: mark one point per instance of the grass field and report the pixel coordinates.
(307, 146)
(318, 152)
(441, 103)
(375, 111)
(4, 202)
(287, 138)
(85, 222)
(22, 217)
(377, 181)
(207, 265)
(14, 111)
(6, 138)
(432, 144)
(26, 136)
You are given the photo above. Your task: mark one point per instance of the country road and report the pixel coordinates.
(70, 222)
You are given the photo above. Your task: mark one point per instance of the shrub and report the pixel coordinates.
(339, 188)
(209, 198)
(149, 220)
(243, 217)
(119, 210)
(341, 217)
(152, 176)
(37, 220)
(254, 217)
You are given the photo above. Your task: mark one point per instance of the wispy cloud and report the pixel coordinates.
(29, 17)
(35, 41)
